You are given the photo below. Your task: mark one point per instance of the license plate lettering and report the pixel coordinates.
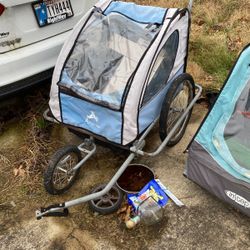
(56, 19)
(52, 11)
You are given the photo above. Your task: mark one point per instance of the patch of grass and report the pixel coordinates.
(23, 189)
(215, 13)
(41, 123)
(219, 31)
(213, 57)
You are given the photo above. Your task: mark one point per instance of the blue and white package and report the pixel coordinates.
(152, 189)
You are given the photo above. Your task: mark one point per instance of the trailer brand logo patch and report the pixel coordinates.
(238, 199)
(92, 118)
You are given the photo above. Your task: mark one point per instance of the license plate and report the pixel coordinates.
(52, 11)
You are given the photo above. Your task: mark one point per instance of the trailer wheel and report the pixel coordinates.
(57, 178)
(178, 97)
(108, 203)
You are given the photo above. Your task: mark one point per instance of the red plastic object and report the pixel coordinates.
(2, 8)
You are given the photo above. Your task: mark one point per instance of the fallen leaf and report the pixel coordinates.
(19, 171)
(15, 171)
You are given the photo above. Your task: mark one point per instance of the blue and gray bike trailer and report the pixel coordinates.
(122, 70)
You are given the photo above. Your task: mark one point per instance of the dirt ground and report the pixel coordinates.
(205, 222)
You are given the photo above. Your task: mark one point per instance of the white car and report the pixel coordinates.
(31, 36)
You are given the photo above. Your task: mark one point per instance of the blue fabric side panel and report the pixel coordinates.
(94, 118)
(152, 110)
(208, 135)
(144, 14)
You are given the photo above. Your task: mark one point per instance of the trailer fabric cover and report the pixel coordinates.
(104, 57)
(108, 35)
(131, 10)
(219, 156)
(148, 114)
(138, 13)
(54, 102)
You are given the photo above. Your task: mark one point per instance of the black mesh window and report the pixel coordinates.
(105, 55)
(162, 67)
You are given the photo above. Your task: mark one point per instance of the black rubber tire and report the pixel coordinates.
(49, 173)
(110, 209)
(169, 98)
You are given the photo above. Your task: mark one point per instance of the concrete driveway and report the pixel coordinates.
(205, 222)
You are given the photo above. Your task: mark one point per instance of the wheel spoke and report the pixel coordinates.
(61, 178)
(171, 121)
(63, 161)
(114, 197)
(55, 179)
(71, 163)
(99, 202)
(110, 202)
(62, 169)
(69, 178)
(178, 107)
(176, 104)
(179, 104)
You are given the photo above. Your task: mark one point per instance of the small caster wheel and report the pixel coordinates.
(58, 178)
(108, 203)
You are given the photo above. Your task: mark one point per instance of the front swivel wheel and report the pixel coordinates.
(59, 176)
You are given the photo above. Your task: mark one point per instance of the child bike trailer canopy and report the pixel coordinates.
(115, 69)
(219, 156)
